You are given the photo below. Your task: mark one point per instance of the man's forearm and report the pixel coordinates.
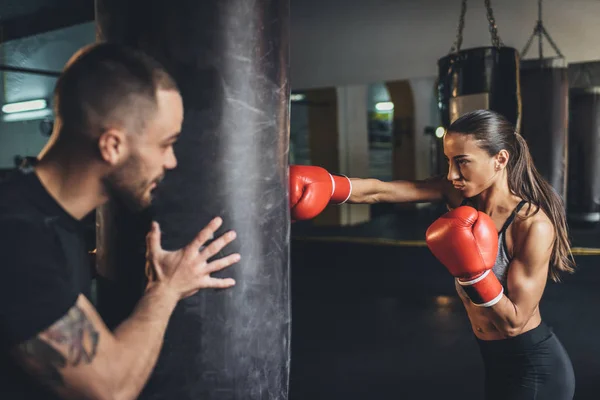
(139, 340)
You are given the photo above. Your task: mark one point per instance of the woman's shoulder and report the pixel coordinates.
(532, 223)
(530, 213)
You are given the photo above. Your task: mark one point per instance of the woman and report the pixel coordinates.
(491, 170)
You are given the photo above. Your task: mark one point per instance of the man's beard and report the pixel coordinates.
(125, 185)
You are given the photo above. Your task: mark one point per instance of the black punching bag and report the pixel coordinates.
(583, 203)
(231, 60)
(479, 78)
(545, 99)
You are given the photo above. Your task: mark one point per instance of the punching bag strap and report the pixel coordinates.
(496, 41)
(461, 26)
(540, 31)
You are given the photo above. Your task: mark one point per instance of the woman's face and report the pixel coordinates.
(470, 169)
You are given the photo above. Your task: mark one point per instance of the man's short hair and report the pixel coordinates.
(105, 86)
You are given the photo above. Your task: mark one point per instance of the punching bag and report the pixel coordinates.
(583, 203)
(479, 78)
(231, 60)
(545, 99)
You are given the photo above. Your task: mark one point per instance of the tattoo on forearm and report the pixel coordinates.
(74, 334)
(44, 360)
(77, 333)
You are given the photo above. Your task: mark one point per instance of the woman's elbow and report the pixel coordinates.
(512, 330)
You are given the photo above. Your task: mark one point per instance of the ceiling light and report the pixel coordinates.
(24, 106)
(384, 106)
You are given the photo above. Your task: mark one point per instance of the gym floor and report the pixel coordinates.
(376, 317)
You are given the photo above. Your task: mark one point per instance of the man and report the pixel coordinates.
(118, 114)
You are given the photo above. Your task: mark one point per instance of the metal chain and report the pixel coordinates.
(540, 31)
(496, 41)
(554, 46)
(526, 48)
(461, 26)
(545, 32)
(540, 27)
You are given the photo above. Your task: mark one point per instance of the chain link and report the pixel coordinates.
(540, 27)
(540, 31)
(554, 46)
(461, 26)
(496, 41)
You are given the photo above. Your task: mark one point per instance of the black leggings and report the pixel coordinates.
(531, 366)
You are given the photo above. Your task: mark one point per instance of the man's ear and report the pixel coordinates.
(112, 145)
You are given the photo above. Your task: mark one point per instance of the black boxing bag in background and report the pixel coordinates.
(583, 191)
(545, 121)
(545, 99)
(231, 60)
(479, 78)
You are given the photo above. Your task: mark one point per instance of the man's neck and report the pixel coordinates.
(74, 185)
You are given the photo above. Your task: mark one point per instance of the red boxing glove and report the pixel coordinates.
(313, 188)
(342, 189)
(466, 242)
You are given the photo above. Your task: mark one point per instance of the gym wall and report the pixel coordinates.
(334, 44)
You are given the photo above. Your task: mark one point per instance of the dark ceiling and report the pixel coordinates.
(10, 9)
(22, 18)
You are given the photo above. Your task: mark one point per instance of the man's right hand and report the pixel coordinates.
(78, 357)
(313, 188)
(187, 270)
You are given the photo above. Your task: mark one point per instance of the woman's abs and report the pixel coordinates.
(484, 328)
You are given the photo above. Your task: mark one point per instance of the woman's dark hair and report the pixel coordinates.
(493, 132)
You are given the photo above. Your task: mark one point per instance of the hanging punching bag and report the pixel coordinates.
(545, 98)
(583, 201)
(545, 95)
(231, 60)
(479, 78)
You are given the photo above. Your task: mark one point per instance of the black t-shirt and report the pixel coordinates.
(43, 269)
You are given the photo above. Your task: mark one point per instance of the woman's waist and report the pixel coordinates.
(527, 340)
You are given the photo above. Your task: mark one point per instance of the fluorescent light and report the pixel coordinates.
(297, 97)
(24, 106)
(27, 115)
(384, 106)
(440, 131)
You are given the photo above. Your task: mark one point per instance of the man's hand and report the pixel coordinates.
(78, 357)
(187, 270)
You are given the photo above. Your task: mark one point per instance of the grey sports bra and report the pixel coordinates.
(502, 259)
